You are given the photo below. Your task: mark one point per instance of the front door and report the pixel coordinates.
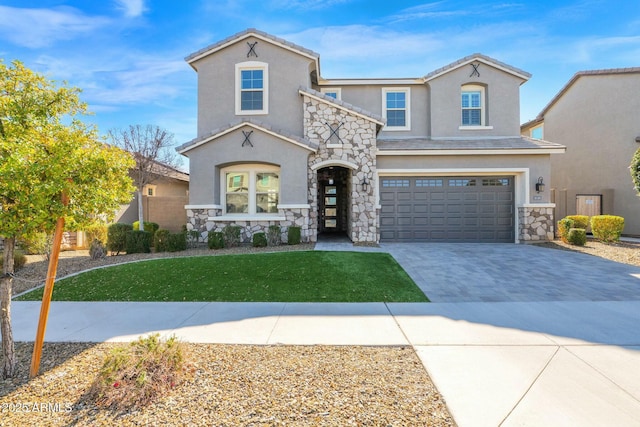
(333, 200)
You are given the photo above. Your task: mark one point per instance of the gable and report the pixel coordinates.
(478, 58)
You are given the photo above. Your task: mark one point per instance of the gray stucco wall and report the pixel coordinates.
(597, 119)
(502, 102)
(206, 161)
(217, 81)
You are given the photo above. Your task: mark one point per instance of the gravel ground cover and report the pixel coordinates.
(237, 385)
(624, 252)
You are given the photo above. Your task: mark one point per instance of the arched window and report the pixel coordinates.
(251, 189)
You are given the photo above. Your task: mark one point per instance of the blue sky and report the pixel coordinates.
(128, 55)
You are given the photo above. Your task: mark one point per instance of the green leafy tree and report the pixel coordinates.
(635, 170)
(46, 151)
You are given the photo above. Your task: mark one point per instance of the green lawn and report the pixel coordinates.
(312, 276)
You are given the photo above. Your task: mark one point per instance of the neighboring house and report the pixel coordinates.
(595, 115)
(163, 201)
(435, 158)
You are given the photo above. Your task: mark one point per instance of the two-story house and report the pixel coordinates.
(435, 158)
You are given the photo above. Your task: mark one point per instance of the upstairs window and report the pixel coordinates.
(251, 88)
(473, 105)
(395, 107)
(335, 93)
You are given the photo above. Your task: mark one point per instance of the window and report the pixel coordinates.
(537, 132)
(251, 189)
(252, 88)
(335, 93)
(473, 105)
(395, 108)
(150, 190)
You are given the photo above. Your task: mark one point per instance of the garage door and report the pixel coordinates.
(447, 209)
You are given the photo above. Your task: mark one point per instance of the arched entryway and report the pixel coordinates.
(334, 201)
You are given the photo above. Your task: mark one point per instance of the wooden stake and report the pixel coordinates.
(46, 296)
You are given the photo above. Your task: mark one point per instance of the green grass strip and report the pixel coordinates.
(312, 276)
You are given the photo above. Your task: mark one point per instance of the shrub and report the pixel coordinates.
(96, 232)
(293, 235)
(161, 240)
(607, 228)
(135, 374)
(177, 242)
(150, 227)
(138, 242)
(274, 237)
(564, 225)
(259, 240)
(579, 221)
(231, 235)
(117, 237)
(97, 250)
(37, 244)
(215, 240)
(577, 236)
(193, 238)
(19, 259)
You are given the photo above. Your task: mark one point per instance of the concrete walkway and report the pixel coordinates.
(556, 349)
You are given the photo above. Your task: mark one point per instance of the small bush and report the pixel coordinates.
(150, 227)
(117, 237)
(215, 240)
(96, 232)
(177, 242)
(19, 259)
(232, 235)
(579, 221)
(193, 238)
(564, 225)
(138, 242)
(161, 240)
(259, 240)
(607, 228)
(135, 374)
(37, 244)
(293, 235)
(577, 236)
(274, 237)
(97, 250)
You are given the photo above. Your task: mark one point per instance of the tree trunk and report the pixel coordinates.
(6, 285)
(140, 211)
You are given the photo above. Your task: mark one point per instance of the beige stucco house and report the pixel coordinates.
(434, 158)
(595, 115)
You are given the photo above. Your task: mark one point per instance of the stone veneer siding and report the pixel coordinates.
(358, 147)
(204, 221)
(536, 224)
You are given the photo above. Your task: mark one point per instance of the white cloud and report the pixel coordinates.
(131, 8)
(36, 28)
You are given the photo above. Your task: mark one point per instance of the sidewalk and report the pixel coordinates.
(506, 363)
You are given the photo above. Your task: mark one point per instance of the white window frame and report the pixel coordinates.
(407, 109)
(252, 170)
(153, 189)
(483, 107)
(252, 65)
(337, 90)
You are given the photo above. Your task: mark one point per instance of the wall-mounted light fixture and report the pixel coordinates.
(539, 186)
(365, 183)
(637, 138)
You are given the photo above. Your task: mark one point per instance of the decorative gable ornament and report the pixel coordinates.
(334, 132)
(475, 71)
(247, 141)
(252, 49)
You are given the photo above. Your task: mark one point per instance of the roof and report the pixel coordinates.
(379, 120)
(479, 58)
(251, 32)
(445, 146)
(256, 124)
(576, 76)
(163, 169)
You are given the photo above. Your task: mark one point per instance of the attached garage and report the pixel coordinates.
(447, 209)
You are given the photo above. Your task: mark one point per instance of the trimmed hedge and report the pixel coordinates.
(138, 242)
(293, 235)
(151, 227)
(215, 240)
(161, 240)
(177, 242)
(259, 240)
(564, 225)
(117, 237)
(579, 221)
(607, 228)
(232, 235)
(577, 236)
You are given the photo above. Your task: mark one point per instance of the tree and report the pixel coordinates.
(45, 152)
(635, 171)
(150, 147)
